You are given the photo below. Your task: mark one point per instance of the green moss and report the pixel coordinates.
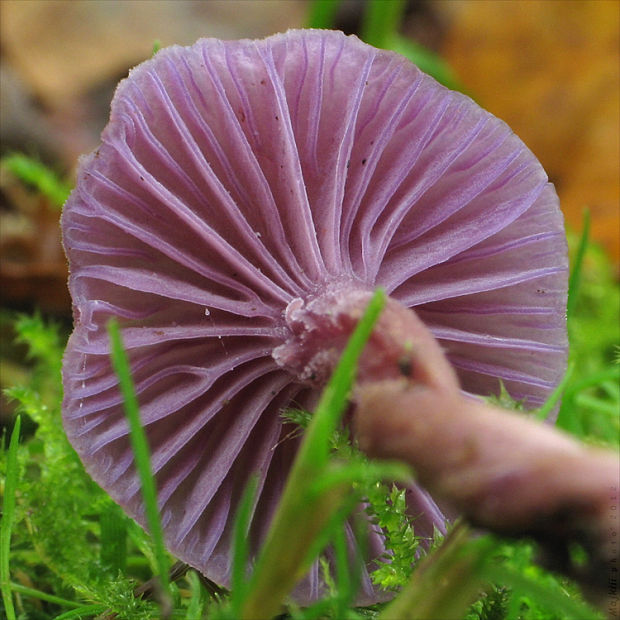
(592, 398)
(74, 552)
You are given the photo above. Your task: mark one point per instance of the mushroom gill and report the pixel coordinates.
(238, 186)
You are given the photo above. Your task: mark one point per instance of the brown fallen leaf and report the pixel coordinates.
(551, 71)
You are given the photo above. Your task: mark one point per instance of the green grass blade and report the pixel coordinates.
(426, 60)
(344, 578)
(575, 274)
(141, 452)
(380, 26)
(556, 395)
(302, 516)
(38, 175)
(198, 597)
(113, 542)
(611, 389)
(332, 517)
(358, 471)
(322, 13)
(597, 404)
(44, 596)
(8, 517)
(569, 418)
(612, 373)
(347, 574)
(240, 551)
(381, 21)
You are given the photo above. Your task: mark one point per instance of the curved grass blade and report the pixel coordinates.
(381, 21)
(44, 596)
(8, 517)
(240, 552)
(141, 452)
(322, 13)
(575, 274)
(302, 516)
(38, 175)
(556, 395)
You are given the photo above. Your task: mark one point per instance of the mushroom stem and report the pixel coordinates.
(503, 471)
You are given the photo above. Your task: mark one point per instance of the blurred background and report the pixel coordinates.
(549, 68)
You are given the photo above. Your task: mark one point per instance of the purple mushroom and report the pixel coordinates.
(241, 189)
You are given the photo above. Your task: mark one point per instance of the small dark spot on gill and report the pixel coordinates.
(242, 116)
(405, 365)
(141, 178)
(277, 118)
(262, 82)
(363, 161)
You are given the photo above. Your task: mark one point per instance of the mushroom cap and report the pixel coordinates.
(237, 179)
